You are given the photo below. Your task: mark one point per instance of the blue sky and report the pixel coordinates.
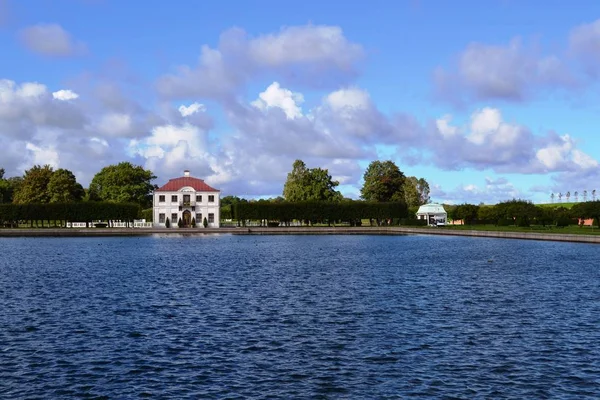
(485, 100)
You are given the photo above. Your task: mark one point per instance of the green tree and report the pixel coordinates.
(306, 184)
(384, 182)
(63, 187)
(416, 191)
(5, 189)
(123, 183)
(467, 212)
(34, 187)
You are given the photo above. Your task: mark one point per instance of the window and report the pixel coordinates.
(161, 198)
(174, 218)
(211, 198)
(161, 218)
(211, 218)
(199, 218)
(199, 198)
(174, 198)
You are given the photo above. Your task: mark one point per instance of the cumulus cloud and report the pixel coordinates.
(312, 54)
(29, 105)
(65, 95)
(505, 72)
(40, 155)
(50, 40)
(492, 191)
(191, 109)
(284, 99)
(584, 43)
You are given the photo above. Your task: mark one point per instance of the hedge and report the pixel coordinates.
(318, 211)
(87, 211)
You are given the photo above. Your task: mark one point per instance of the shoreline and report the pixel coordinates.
(104, 232)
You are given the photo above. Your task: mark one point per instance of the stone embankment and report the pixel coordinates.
(97, 232)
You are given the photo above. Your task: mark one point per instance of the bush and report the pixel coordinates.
(504, 222)
(273, 224)
(522, 222)
(167, 223)
(563, 221)
(413, 222)
(205, 222)
(194, 222)
(180, 223)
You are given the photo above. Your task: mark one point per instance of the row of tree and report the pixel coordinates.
(120, 183)
(575, 194)
(383, 182)
(524, 213)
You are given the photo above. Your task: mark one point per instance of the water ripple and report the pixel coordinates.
(318, 317)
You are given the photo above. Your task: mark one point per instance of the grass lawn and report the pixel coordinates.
(556, 205)
(571, 229)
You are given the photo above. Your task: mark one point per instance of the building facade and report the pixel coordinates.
(187, 199)
(433, 213)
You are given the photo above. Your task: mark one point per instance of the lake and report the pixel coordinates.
(320, 317)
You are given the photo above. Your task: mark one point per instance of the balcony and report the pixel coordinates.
(188, 203)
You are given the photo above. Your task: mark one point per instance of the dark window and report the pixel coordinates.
(211, 218)
(174, 198)
(199, 218)
(161, 218)
(199, 198)
(211, 198)
(161, 198)
(174, 218)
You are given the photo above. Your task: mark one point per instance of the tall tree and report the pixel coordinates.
(34, 187)
(5, 189)
(383, 182)
(63, 187)
(123, 183)
(416, 191)
(304, 184)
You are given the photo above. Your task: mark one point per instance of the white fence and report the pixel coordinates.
(113, 224)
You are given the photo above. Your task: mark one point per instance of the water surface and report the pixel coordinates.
(298, 317)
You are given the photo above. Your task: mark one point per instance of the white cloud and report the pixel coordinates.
(555, 154)
(191, 109)
(311, 55)
(484, 123)
(50, 40)
(309, 44)
(584, 43)
(115, 124)
(352, 98)
(41, 156)
(285, 99)
(583, 160)
(506, 72)
(65, 95)
(444, 127)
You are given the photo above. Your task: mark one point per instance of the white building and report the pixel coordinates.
(186, 198)
(433, 213)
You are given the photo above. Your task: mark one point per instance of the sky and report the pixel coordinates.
(486, 100)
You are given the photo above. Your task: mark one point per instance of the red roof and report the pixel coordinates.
(177, 183)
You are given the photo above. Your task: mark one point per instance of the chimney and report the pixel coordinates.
(186, 172)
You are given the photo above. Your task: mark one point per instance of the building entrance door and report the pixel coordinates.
(187, 218)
